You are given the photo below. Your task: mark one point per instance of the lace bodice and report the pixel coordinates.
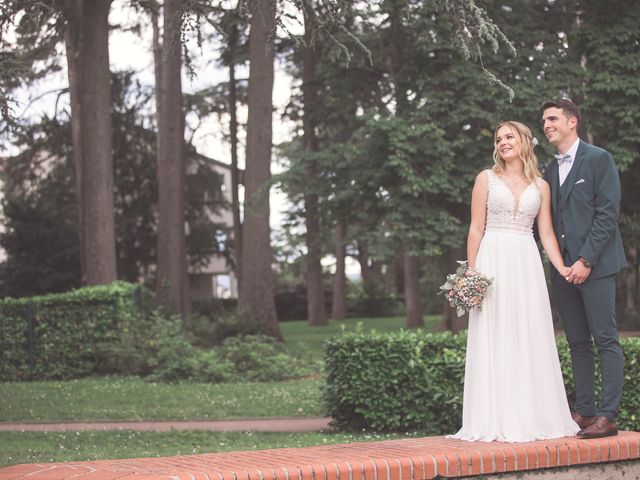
(505, 212)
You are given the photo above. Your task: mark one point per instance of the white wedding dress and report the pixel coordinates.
(513, 387)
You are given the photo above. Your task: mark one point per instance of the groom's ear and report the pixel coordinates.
(573, 122)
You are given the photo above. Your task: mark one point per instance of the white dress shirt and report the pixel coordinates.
(565, 167)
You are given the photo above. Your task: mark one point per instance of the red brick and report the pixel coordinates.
(509, 459)
(625, 451)
(369, 470)
(410, 459)
(453, 464)
(563, 455)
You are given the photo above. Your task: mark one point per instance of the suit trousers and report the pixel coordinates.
(588, 311)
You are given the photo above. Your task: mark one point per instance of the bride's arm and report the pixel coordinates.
(478, 217)
(545, 229)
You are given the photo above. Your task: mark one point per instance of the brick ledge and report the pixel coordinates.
(405, 459)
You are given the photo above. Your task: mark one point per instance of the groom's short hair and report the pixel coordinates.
(569, 108)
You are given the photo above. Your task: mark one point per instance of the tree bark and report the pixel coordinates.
(372, 278)
(339, 305)
(412, 296)
(256, 295)
(172, 283)
(235, 173)
(315, 288)
(90, 91)
(72, 44)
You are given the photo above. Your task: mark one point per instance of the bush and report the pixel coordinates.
(291, 304)
(212, 307)
(237, 359)
(60, 336)
(210, 330)
(172, 358)
(361, 303)
(414, 380)
(261, 359)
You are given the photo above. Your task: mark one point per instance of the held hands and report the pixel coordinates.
(576, 274)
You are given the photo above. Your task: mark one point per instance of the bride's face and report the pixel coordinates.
(508, 143)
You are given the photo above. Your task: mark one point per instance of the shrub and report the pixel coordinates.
(172, 358)
(206, 331)
(378, 303)
(110, 330)
(258, 358)
(414, 380)
(59, 336)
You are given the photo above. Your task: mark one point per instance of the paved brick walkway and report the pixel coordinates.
(407, 459)
(257, 424)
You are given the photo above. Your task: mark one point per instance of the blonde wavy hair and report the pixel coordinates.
(528, 157)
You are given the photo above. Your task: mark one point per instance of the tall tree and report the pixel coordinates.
(256, 288)
(172, 283)
(339, 303)
(315, 289)
(87, 44)
(233, 139)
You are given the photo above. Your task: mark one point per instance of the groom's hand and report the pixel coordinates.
(579, 273)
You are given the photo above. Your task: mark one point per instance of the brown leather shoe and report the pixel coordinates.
(583, 422)
(601, 427)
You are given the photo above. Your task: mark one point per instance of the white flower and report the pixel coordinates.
(534, 141)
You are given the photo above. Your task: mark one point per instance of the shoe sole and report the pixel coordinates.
(589, 437)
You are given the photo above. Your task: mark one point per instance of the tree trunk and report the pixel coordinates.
(235, 174)
(172, 283)
(412, 296)
(90, 91)
(256, 295)
(315, 288)
(72, 44)
(372, 279)
(339, 306)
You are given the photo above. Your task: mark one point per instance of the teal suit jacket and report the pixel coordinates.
(586, 208)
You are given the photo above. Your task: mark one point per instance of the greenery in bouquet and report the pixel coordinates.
(465, 289)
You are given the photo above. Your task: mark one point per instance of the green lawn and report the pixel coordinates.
(34, 447)
(299, 336)
(120, 399)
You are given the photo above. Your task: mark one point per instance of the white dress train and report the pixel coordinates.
(513, 387)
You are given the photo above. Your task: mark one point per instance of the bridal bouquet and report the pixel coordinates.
(465, 289)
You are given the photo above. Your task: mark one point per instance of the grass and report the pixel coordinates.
(299, 336)
(131, 399)
(36, 447)
(121, 399)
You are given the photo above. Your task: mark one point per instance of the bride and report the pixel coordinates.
(513, 387)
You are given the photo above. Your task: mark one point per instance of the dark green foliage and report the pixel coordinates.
(110, 330)
(237, 359)
(39, 204)
(212, 329)
(396, 381)
(414, 380)
(361, 303)
(60, 336)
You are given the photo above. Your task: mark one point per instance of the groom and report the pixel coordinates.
(585, 192)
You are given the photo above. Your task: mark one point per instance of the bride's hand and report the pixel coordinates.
(565, 272)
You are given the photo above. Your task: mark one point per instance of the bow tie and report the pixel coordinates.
(563, 158)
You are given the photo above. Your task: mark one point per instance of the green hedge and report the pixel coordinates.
(414, 381)
(60, 336)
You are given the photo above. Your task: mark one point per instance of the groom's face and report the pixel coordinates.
(558, 127)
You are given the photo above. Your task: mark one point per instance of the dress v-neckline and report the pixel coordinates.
(516, 199)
